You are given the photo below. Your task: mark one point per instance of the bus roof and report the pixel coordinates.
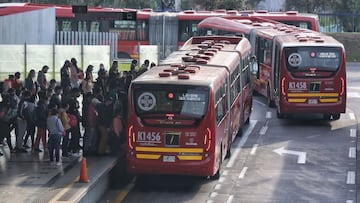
(308, 39)
(201, 61)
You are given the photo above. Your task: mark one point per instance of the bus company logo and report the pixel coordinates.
(294, 59)
(146, 101)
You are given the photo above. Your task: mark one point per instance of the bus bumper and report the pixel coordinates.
(204, 167)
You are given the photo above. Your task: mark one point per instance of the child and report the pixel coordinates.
(56, 130)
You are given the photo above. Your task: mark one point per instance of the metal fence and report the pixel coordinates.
(23, 58)
(339, 22)
(89, 38)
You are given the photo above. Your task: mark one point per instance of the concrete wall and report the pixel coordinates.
(34, 27)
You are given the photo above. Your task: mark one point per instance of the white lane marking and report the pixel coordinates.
(230, 199)
(353, 132)
(209, 201)
(225, 173)
(268, 115)
(352, 116)
(352, 152)
(254, 148)
(301, 155)
(349, 201)
(352, 95)
(350, 179)
(217, 186)
(213, 194)
(222, 179)
(243, 172)
(263, 130)
(241, 143)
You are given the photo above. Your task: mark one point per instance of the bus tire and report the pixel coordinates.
(279, 115)
(327, 116)
(270, 102)
(336, 116)
(216, 176)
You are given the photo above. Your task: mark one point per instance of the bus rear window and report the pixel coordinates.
(185, 100)
(308, 58)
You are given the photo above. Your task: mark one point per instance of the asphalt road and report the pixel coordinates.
(302, 159)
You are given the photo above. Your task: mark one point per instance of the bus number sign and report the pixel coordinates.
(297, 86)
(153, 137)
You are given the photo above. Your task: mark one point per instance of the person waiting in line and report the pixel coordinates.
(91, 130)
(75, 74)
(17, 83)
(21, 122)
(116, 136)
(56, 130)
(41, 114)
(65, 120)
(88, 83)
(65, 75)
(104, 121)
(31, 84)
(55, 99)
(144, 67)
(41, 78)
(31, 117)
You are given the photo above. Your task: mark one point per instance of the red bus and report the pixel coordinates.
(145, 27)
(184, 114)
(297, 70)
(302, 20)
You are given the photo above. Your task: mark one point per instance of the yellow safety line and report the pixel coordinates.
(313, 94)
(165, 149)
(123, 193)
(63, 191)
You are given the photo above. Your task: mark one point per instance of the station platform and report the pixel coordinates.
(30, 177)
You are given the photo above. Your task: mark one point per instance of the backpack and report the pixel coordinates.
(29, 113)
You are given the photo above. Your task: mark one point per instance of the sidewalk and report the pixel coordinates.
(30, 177)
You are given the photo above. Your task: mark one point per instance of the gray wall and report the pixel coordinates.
(34, 27)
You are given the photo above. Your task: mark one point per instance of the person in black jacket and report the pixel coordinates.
(41, 114)
(105, 117)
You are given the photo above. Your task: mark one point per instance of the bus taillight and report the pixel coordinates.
(207, 139)
(131, 138)
(342, 86)
(283, 86)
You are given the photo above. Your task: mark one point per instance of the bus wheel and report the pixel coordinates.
(216, 176)
(280, 115)
(336, 116)
(327, 116)
(270, 102)
(228, 153)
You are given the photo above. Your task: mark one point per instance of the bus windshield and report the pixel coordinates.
(182, 100)
(310, 58)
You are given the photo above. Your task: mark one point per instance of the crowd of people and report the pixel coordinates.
(48, 111)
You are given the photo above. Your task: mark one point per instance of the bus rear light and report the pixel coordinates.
(131, 138)
(283, 86)
(207, 139)
(342, 86)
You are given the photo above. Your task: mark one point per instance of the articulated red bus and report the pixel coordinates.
(184, 114)
(298, 70)
(145, 27)
(302, 20)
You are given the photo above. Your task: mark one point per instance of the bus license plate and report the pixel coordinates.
(168, 158)
(312, 101)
